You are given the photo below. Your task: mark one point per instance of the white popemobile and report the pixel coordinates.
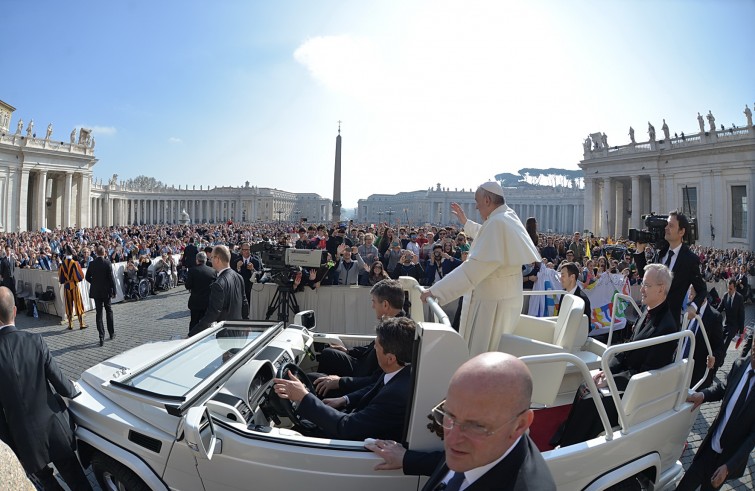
(200, 413)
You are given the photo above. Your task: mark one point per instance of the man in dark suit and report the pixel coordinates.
(101, 290)
(227, 299)
(485, 418)
(376, 411)
(724, 453)
(734, 308)
(712, 322)
(569, 275)
(684, 263)
(342, 371)
(198, 281)
(189, 258)
(33, 419)
(583, 422)
(246, 265)
(7, 267)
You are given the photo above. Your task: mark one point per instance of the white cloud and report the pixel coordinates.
(175, 139)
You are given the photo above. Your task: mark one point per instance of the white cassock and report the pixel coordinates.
(490, 279)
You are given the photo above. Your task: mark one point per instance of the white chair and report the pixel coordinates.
(536, 336)
(654, 392)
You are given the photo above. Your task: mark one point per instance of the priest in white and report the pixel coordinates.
(491, 277)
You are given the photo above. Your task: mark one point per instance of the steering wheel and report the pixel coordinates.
(285, 407)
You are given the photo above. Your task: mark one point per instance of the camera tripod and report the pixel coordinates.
(283, 300)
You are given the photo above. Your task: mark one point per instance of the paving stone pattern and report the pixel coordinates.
(165, 316)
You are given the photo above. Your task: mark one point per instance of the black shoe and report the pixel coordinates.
(112, 336)
(102, 341)
(154, 293)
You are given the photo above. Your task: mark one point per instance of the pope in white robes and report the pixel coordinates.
(491, 277)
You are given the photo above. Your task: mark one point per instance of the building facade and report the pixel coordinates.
(558, 210)
(44, 182)
(710, 175)
(115, 203)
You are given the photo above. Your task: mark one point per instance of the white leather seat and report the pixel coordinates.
(654, 392)
(536, 336)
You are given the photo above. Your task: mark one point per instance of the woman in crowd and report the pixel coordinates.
(377, 273)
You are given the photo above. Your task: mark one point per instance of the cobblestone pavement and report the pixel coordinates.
(165, 316)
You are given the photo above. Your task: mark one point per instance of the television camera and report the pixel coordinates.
(284, 264)
(656, 231)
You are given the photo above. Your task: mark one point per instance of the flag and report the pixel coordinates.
(587, 249)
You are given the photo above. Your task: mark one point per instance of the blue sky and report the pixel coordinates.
(450, 92)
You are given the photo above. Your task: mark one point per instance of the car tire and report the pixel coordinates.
(114, 476)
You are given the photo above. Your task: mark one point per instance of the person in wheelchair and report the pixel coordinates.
(170, 266)
(130, 281)
(377, 410)
(144, 263)
(161, 272)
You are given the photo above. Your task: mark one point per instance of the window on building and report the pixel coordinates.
(738, 212)
(689, 201)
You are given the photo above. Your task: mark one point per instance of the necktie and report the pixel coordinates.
(453, 484)
(743, 395)
(668, 259)
(692, 327)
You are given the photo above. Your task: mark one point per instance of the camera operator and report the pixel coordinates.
(684, 264)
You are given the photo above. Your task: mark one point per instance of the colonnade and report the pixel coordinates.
(113, 210)
(52, 199)
(561, 218)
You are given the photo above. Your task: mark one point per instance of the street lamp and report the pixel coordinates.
(390, 215)
(380, 216)
(279, 212)
(297, 213)
(406, 215)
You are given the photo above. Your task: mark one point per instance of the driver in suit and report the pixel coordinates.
(375, 411)
(485, 419)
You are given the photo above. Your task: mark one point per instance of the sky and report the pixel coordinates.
(452, 92)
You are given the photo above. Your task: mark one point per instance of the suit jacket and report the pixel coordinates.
(659, 322)
(100, 277)
(712, 322)
(227, 301)
(190, 256)
(579, 293)
(6, 272)
(33, 420)
(686, 272)
(198, 281)
(523, 469)
(735, 312)
(244, 271)
(376, 411)
(738, 439)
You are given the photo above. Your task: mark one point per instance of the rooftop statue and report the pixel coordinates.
(631, 135)
(19, 126)
(49, 131)
(748, 115)
(651, 131)
(665, 129)
(711, 121)
(73, 136)
(700, 123)
(29, 129)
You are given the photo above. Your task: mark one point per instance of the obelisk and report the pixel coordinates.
(337, 179)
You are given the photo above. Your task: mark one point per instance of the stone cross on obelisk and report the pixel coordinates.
(337, 179)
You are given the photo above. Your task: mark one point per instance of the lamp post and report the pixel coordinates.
(297, 213)
(279, 212)
(406, 215)
(380, 216)
(389, 212)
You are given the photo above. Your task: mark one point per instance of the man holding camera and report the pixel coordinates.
(346, 269)
(683, 263)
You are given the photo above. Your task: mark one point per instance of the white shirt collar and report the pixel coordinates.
(388, 376)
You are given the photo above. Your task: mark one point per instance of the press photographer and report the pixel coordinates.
(676, 255)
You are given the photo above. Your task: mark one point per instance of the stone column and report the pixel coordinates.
(108, 208)
(609, 202)
(655, 194)
(41, 204)
(86, 191)
(636, 203)
(589, 206)
(23, 201)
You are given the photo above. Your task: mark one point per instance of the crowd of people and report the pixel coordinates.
(218, 266)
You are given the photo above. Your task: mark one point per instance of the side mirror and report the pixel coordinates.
(200, 432)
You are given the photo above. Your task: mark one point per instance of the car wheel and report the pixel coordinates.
(114, 476)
